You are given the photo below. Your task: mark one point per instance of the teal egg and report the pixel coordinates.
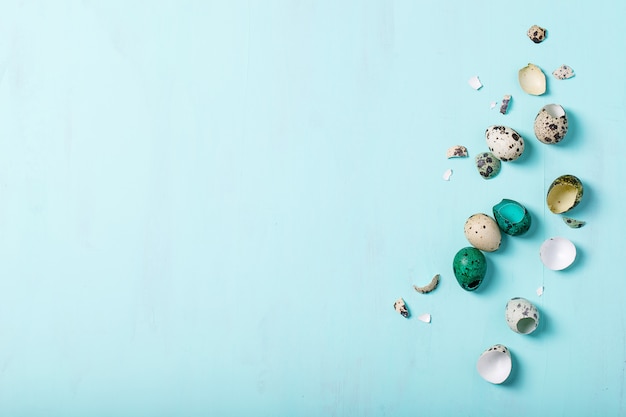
(512, 217)
(470, 267)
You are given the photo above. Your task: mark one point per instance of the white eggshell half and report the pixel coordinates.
(483, 233)
(557, 253)
(495, 364)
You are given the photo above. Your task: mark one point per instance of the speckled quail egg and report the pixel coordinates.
(536, 34)
(469, 267)
(551, 124)
(482, 232)
(505, 143)
(487, 164)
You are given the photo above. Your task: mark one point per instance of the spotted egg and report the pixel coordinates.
(482, 232)
(469, 267)
(551, 124)
(487, 164)
(505, 143)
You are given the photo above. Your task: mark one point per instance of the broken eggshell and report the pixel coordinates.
(564, 194)
(487, 164)
(563, 72)
(469, 267)
(536, 34)
(551, 124)
(482, 232)
(532, 80)
(521, 315)
(505, 143)
(557, 253)
(573, 223)
(400, 307)
(456, 151)
(512, 217)
(494, 364)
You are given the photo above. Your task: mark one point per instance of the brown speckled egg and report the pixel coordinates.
(505, 143)
(536, 34)
(551, 124)
(483, 233)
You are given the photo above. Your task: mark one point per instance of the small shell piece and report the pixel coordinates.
(495, 364)
(487, 164)
(456, 151)
(536, 34)
(551, 124)
(505, 103)
(563, 72)
(400, 307)
(428, 288)
(447, 174)
(469, 267)
(505, 143)
(532, 80)
(557, 253)
(512, 217)
(475, 83)
(521, 315)
(482, 232)
(573, 223)
(564, 194)
(424, 317)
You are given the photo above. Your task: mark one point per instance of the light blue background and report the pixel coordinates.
(209, 208)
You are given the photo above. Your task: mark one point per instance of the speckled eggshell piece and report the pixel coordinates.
(482, 232)
(487, 164)
(521, 315)
(469, 267)
(551, 124)
(563, 72)
(536, 34)
(505, 143)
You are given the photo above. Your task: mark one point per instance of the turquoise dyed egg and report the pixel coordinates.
(512, 217)
(470, 267)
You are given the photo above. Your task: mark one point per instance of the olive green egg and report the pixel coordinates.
(470, 267)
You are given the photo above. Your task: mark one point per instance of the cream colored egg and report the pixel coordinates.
(483, 233)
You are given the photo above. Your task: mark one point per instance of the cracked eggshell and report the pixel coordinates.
(512, 217)
(551, 124)
(495, 364)
(505, 143)
(487, 164)
(483, 233)
(536, 34)
(564, 194)
(532, 80)
(557, 253)
(521, 315)
(469, 267)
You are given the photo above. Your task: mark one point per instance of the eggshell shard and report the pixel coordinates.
(475, 83)
(551, 124)
(428, 288)
(482, 232)
(469, 267)
(400, 307)
(563, 72)
(532, 80)
(456, 151)
(494, 364)
(564, 194)
(557, 253)
(488, 165)
(447, 174)
(424, 317)
(521, 315)
(573, 223)
(505, 143)
(536, 34)
(505, 104)
(512, 217)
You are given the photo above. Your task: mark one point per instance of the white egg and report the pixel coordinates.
(483, 233)
(505, 143)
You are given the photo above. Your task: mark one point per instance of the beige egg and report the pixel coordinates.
(483, 233)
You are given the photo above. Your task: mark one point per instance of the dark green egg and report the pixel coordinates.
(470, 267)
(512, 217)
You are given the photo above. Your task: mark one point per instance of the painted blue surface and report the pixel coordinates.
(209, 208)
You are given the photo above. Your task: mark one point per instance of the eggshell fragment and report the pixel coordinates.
(469, 267)
(475, 83)
(494, 364)
(557, 253)
(428, 288)
(482, 232)
(504, 142)
(424, 317)
(532, 80)
(551, 124)
(447, 174)
(536, 34)
(505, 103)
(512, 217)
(400, 307)
(563, 72)
(521, 315)
(487, 164)
(573, 223)
(564, 194)
(456, 151)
